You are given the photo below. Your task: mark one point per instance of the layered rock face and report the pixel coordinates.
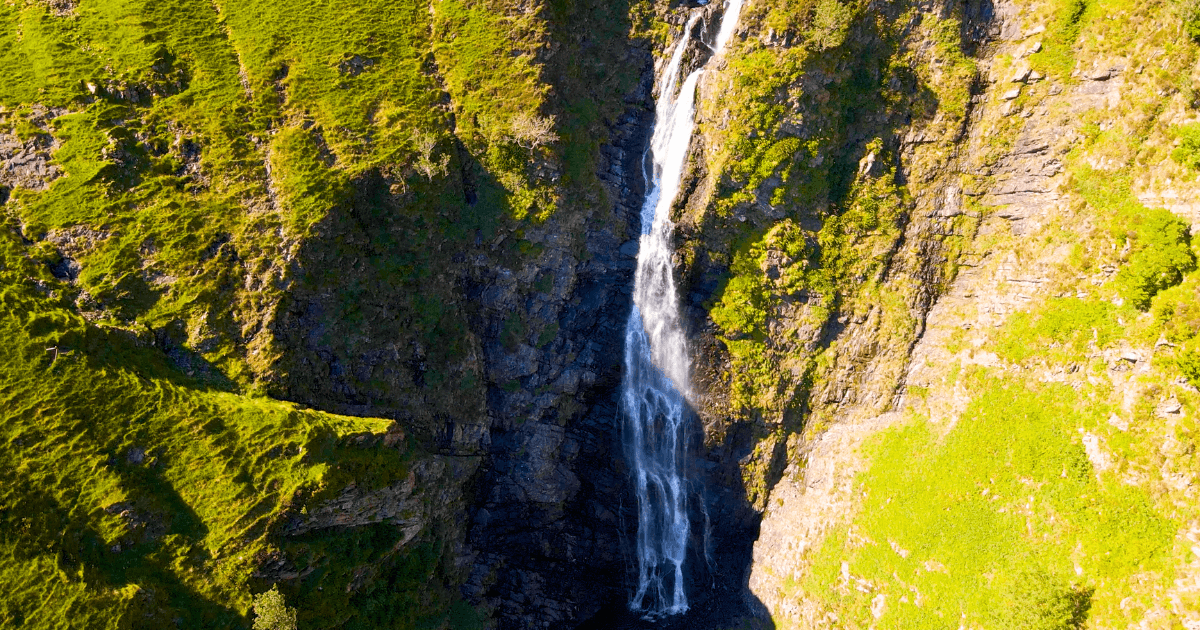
(434, 243)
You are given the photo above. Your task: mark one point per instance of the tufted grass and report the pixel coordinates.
(1063, 329)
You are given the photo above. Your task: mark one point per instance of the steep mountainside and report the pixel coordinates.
(989, 183)
(409, 214)
(330, 298)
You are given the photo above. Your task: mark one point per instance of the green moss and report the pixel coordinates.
(548, 334)
(514, 331)
(1057, 57)
(765, 272)
(789, 267)
(647, 24)
(957, 70)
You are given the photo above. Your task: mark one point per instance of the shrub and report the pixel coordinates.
(426, 163)
(830, 24)
(271, 613)
(1188, 151)
(1164, 254)
(1177, 310)
(1037, 600)
(1189, 13)
(1189, 363)
(1158, 244)
(532, 131)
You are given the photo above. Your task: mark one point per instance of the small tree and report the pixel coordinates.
(830, 24)
(1039, 600)
(533, 131)
(426, 147)
(271, 613)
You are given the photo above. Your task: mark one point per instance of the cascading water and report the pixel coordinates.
(656, 380)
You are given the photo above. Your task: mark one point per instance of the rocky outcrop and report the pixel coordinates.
(431, 491)
(25, 163)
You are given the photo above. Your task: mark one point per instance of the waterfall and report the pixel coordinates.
(655, 384)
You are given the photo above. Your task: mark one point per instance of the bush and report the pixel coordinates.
(1188, 151)
(1177, 310)
(1189, 363)
(532, 131)
(1038, 600)
(1163, 254)
(830, 24)
(1158, 248)
(271, 613)
(1189, 13)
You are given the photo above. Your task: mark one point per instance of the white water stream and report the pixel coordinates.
(655, 385)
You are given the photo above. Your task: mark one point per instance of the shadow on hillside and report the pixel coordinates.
(373, 324)
(38, 525)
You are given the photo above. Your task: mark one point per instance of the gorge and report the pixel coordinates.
(599, 314)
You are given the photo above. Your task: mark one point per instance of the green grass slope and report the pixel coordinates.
(133, 496)
(216, 160)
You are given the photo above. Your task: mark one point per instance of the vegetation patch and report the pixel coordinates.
(1063, 329)
(1155, 244)
(1188, 151)
(219, 163)
(998, 522)
(1057, 56)
(131, 491)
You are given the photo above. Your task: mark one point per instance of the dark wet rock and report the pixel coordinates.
(136, 455)
(355, 65)
(545, 529)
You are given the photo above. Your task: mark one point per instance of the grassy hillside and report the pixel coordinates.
(207, 176)
(134, 496)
